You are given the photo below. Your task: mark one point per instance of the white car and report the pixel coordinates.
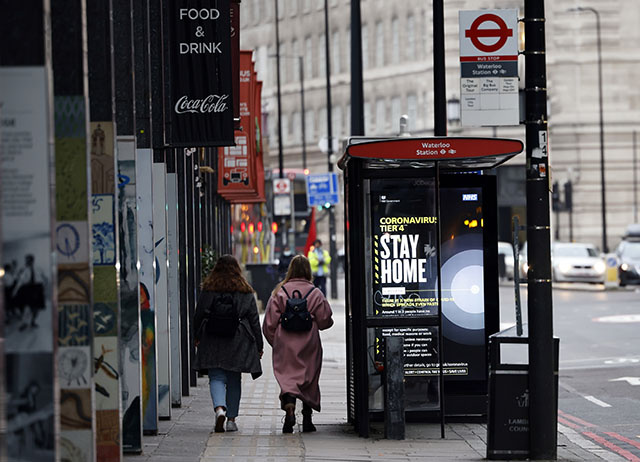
(506, 249)
(576, 262)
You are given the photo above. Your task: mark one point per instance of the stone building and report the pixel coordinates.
(397, 60)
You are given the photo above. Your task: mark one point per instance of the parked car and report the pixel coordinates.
(506, 250)
(577, 262)
(628, 253)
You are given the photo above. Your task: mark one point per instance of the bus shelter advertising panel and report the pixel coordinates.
(404, 233)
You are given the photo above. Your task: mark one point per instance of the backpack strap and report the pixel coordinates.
(308, 293)
(285, 291)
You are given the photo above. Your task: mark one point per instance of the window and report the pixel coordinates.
(295, 52)
(308, 57)
(285, 129)
(280, 9)
(296, 130)
(247, 16)
(395, 41)
(284, 75)
(395, 114)
(306, 6)
(310, 125)
(322, 60)
(411, 38)
(380, 117)
(412, 111)
(335, 52)
(293, 7)
(368, 123)
(365, 47)
(336, 122)
(379, 50)
(262, 62)
(271, 66)
(322, 122)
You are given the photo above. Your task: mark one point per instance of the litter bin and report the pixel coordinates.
(263, 277)
(508, 414)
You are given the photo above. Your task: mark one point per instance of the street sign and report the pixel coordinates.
(322, 189)
(489, 67)
(282, 205)
(281, 186)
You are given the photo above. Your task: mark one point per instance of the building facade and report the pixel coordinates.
(398, 79)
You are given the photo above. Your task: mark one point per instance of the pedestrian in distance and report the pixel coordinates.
(283, 262)
(296, 313)
(228, 338)
(319, 259)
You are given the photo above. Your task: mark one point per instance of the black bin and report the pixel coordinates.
(508, 416)
(263, 277)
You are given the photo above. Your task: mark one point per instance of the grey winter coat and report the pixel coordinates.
(240, 353)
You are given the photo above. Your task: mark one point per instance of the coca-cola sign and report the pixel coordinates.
(212, 103)
(201, 92)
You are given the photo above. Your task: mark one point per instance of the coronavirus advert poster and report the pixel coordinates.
(404, 247)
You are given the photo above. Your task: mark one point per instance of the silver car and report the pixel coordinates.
(576, 262)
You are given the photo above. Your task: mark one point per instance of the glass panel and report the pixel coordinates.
(421, 367)
(403, 247)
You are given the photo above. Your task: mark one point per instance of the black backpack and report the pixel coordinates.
(296, 316)
(223, 319)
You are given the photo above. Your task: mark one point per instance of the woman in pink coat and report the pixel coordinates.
(297, 356)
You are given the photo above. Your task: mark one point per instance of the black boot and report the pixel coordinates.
(289, 418)
(307, 423)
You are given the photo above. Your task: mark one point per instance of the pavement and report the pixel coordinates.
(188, 436)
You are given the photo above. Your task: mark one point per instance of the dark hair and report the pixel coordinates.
(317, 241)
(299, 268)
(226, 276)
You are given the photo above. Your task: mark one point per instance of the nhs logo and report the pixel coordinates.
(470, 197)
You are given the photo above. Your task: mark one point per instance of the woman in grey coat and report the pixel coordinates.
(224, 356)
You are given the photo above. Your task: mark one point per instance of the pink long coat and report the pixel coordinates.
(297, 356)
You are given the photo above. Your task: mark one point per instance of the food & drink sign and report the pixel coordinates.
(201, 101)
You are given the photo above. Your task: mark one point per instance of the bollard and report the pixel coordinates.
(394, 388)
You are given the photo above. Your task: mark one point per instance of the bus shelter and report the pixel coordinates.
(422, 263)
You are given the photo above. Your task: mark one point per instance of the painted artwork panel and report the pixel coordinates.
(74, 284)
(146, 256)
(173, 288)
(71, 179)
(162, 306)
(129, 347)
(103, 229)
(106, 373)
(72, 242)
(30, 409)
(107, 436)
(75, 409)
(74, 325)
(102, 165)
(74, 367)
(105, 284)
(76, 445)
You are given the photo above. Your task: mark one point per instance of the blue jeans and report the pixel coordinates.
(225, 387)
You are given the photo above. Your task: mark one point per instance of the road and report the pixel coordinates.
(599, 387)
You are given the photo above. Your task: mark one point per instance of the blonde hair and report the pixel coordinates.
(299, 268)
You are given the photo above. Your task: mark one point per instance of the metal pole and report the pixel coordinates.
(605, 247)
(635, 178)
(302, 114)
(332, 216)
(439, 72)
(280, 158)
(543, 397)
(357, 92)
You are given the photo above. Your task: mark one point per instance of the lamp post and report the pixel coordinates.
(605, 247)
(280, 159)
(330, 156)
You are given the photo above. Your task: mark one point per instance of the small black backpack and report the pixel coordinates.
(296, 316)
(223, 319)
